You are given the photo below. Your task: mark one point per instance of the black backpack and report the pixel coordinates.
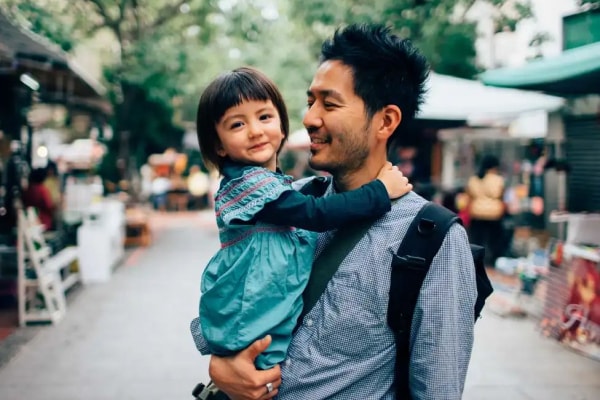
(409, 268)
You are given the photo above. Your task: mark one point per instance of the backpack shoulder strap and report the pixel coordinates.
(410, 265)
(328, 261)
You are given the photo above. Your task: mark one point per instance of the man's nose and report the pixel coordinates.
(312, 119)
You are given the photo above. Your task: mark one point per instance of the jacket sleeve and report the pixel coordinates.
(321, 214)
(442, 328)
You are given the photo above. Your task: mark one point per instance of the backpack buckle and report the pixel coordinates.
(411, 261)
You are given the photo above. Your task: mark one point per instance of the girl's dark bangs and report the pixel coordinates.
(235, 90)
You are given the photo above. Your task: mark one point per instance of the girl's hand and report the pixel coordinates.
(394, 181)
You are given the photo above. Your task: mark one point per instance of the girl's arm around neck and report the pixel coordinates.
(322, 214)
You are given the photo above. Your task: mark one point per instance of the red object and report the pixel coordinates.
(465, 217)
(38, 196)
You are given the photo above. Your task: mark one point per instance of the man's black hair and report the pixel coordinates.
(386, 68)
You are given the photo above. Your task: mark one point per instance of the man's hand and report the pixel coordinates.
(394, 181)
(238, 377)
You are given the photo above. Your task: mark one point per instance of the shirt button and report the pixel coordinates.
(288, 362)
(309, 322)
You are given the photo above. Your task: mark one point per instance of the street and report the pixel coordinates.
(129, 338)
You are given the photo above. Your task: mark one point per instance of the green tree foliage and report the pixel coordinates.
(168, 50)
(439, 27)
(39, 18)
(259, 34)
(148, 69)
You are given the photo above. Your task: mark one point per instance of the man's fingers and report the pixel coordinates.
(270, 395)
(266, 394)
(258, 347)
(272, 376)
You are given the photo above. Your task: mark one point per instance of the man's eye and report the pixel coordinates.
(328, 105)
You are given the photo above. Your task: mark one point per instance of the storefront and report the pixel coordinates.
(36, 79)
(571, 312)
(521, 165)
(472, 119)
(582, 147)
(572, 301)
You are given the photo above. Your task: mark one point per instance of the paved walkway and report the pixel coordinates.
(128, 338)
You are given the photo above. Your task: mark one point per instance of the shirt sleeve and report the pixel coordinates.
(321, 214)
(442, 328)
(199, 339)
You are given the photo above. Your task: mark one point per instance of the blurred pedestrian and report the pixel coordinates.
(52, 182)
(159, 190)
(39, 197)
(146, 176)
(54, 185)
(487, 208)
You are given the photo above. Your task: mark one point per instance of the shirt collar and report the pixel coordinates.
(233, 169)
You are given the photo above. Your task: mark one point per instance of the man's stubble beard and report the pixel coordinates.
(352, 158)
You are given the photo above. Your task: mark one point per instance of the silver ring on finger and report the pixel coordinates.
(269, 387)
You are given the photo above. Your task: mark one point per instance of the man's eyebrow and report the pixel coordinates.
(326, 93)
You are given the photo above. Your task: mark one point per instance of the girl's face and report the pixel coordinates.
(250, 133)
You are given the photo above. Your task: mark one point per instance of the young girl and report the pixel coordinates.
(253, 285)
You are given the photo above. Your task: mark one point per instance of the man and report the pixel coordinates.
(368, 83)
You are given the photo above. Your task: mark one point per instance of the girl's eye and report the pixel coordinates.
(265, 117)
(235, 125)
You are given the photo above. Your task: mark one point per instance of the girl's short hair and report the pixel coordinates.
(229, 90)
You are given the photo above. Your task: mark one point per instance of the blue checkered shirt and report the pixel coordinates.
(344, 348)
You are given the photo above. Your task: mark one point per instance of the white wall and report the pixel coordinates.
(512, 48)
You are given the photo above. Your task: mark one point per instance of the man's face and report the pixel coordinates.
(336, 121)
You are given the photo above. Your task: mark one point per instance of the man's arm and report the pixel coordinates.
(321, 214)
(442, 328)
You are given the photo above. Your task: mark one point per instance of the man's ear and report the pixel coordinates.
(390, 118)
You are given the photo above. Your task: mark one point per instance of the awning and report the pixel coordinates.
(455, 99)
(574, 72)
(22, 51)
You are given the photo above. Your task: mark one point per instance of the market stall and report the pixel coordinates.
(572, 302)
